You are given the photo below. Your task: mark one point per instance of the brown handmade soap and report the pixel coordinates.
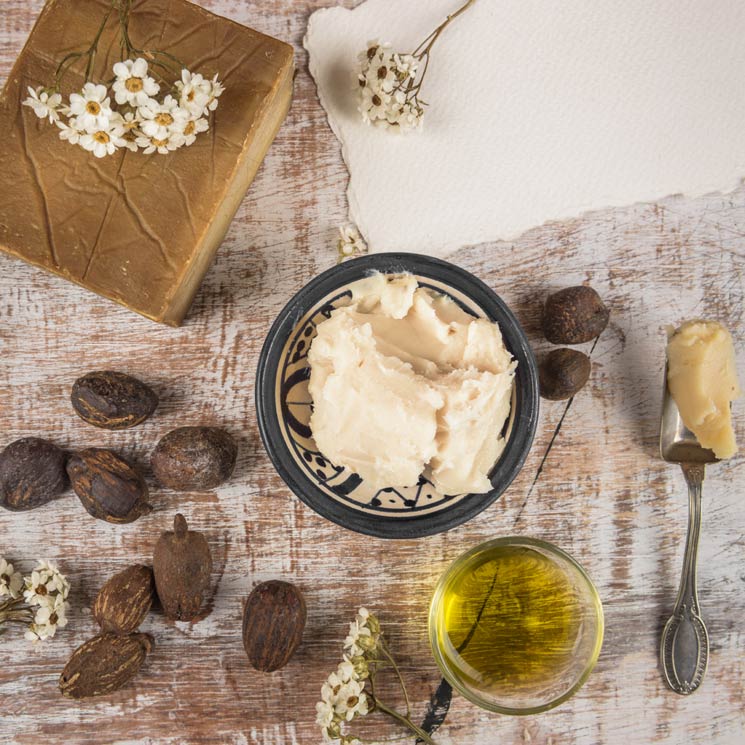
(139, 229)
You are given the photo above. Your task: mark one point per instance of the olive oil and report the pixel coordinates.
(511, 622)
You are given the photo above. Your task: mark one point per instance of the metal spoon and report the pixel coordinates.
(684, 650)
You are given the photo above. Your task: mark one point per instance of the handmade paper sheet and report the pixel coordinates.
(538, 111)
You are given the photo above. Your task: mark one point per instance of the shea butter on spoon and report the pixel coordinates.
(703, 382)
(405, 383)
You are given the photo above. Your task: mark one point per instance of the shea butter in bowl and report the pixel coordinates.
(402, 374)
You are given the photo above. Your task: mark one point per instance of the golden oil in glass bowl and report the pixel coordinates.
(516, 625)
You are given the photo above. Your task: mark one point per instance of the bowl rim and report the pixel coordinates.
(527, 398)
(456, 565)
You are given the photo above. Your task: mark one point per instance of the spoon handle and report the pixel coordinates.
(685, 642)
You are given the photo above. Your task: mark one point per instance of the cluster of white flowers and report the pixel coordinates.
(343, 694)
(141, 121)
(46, 589)
(39, 600)
(387, 90)
(350, 243)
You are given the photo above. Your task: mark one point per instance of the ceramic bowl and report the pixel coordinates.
(284, 405)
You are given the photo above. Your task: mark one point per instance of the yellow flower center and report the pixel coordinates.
(133, 85)
(189, 128)
(41, 590)
(164, 119)
(159, 143)
(130, 125)
(101, 137)
(93, 107)
(190, 95)
(53, 619)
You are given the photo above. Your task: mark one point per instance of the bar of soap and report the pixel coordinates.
(702, 379)
(139, 229)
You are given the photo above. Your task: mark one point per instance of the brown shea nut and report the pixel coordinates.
(109, 488)
(574, 315)
(104, 664)
(112, 400)
(182, 565)
(562, 373)
(123, 602)
(273, 623)
(32, 473)
(194, 458)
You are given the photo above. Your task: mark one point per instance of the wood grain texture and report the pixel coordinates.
(602, 493)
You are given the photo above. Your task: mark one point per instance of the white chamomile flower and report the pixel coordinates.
(194, 92)
(44, 582)
(324, 714)
(70, 131)
(103, 140)
(160, 119)
(45, 105)
(133, 85)
(197, 94)
(192, 128)
(11, 582)
(130, 123)
(406, 64)
(331, 686)
(346, 670)
(350, 701)
(38, 586)
(91, 107)
(382, 74)
(359, 640)
(172, 141)
(48, 619)
(350, 242)
(216, 91)
(373, 49)
(374, 104)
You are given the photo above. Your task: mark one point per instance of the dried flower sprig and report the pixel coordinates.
(141, 121)
(349, 692)
(350, 243)
(38, 601)
(390, 82)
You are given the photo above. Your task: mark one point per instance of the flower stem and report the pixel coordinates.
(390, 659)
(428, 43)
(422, 52)
(418, 731)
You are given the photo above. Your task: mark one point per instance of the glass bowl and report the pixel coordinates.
(516, 625)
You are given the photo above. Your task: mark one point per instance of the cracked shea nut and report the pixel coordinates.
(123, 602)
(32, 473)
(562, 373)
(112, 400)
(182, 565)
(109, 488)
(194, 458)
(273, 624)
(104, 664)
(574, 315)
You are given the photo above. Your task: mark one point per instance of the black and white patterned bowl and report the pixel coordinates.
(284, 405)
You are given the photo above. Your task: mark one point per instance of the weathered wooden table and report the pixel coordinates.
(593, 483)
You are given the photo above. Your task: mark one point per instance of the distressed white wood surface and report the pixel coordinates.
(603, 494)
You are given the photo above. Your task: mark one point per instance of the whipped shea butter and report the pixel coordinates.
(702, 380)
(404, 383)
